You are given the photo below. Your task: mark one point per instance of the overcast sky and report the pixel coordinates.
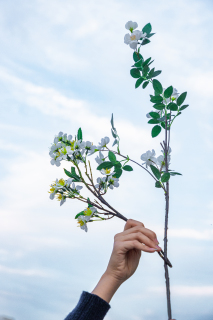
(64, 65)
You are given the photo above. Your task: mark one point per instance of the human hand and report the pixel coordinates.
(125, 257)
(127, 249)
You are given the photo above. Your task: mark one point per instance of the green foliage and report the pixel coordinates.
(150, 35)
(147, 28)
(155, 131)
(154, 115)
(113, 134)
(105, 165)
(127, 168)
(157, 86)
(138, 64)
(164, 125)
(175, 173)
(137, 56)
(157, 184)
(145, 70)
(80, 214)
(168, 92)
(156, 73)
(112, 156)
(135, 73)
(117, 165)
(89, 205)
(72, 174)
(172, 106)
(184, 107)
(155, 171)
(159, 106)
(153, 121)
(145, 84)
(112, 122)
(118, 173)
(79, 134)
(138, 82)
(145, 41)
(181, 98)
(146, 62)
(165, 177)
(156, 99)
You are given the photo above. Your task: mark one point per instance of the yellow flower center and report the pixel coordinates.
(88, 212)
(81, 223)
(59, 196)
(61, 182)
(133, 37)
(107, 171)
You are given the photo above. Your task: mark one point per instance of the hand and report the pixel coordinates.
(125, 257)
(127, 249)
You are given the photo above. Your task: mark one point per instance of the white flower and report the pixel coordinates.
(132, 39)
(100, 159)
(113, 182)
(101, 183)
(107, 172)
(148, 157)
(161, 159)
(173, 97)
(56, 162)
(69, 137)
(83, 219)
(89, 147)
(52, 195)
(82, 222)
(103, 143)
(130, 25)
(76, 189)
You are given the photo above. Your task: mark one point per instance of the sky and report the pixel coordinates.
(64, 65)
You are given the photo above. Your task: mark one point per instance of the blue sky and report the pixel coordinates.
(64, 65)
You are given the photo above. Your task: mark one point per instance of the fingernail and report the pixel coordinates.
(158, 248)
(153, 249)
(156, 241)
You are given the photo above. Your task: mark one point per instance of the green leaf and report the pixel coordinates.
(112, 122)
(150, 35)
(156, 73)
(137, 56)
(117, 165)
(113, 134)
(155, 171)
(155, 131)
(154, 115)
(145, 41)
(146, 61)
(127, 168)
(89, 205)
(138, 64)
(135, 73)
(157, 184)
(145, 84)
(145, 71)
(118, 173)
(153, 121)
(157, 86)
(138, 82)
(168, 92)
(156, 99)
(175, 173)
(147, 28)
(80, 214)
(115, 142)
(172, 106)
(79, 134)
(151, 72)
(184, 107)
(72, 175)
(181, 98)
(112, 156)
(159, 106)
(165, 177)
(105, 165)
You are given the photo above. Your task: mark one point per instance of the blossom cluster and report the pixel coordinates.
(85, 216)
(150, 159)
(63, 189)
(133, 38)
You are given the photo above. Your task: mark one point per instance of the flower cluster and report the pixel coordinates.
(85, 216)
(150, 159)
(63, 189)
(107, 181)
(133, 38)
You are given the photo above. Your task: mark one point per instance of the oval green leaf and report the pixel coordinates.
(181, 98)
(147, 28)
(172, 106)
(184, 107)
(128, 168)
(155, 131)
(155, 171)
(154, 115)
(137, 56)
(165, 177)
(168, 92)
(138, 64)
(138, 82)
(111, 156)
(157, 86)
(157, 184)
(159, 106)
(118, 173)
(80, 214)
(145, 84)
(153, 121)
(105, 165)
(135, 73)
(156, 99)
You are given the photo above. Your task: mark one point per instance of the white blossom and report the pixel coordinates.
(56, 162)
(101, 183)
(103, 143)
(84, 218)
(132, 39)
(89, 147)
(113, 182)
(130, 25)
(76, 189)
(148, 157)
(99, 159)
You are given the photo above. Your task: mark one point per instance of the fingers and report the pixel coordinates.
(132, 223)
(135, 244)
(148, 244)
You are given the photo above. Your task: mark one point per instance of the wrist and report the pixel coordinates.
(107, 286)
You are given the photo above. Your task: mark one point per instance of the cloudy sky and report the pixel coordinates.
(63, 64)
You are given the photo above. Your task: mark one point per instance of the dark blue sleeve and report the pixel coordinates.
(89, 307)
